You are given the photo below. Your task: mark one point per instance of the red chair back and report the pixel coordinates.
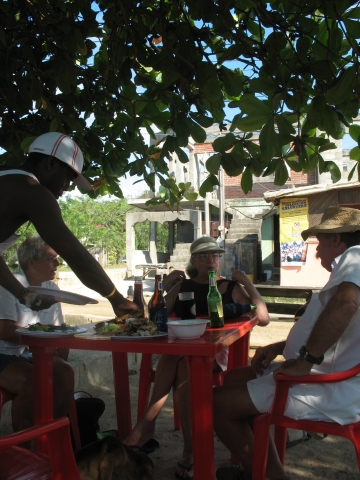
(57, 462)
(6, 396)
(263, 422)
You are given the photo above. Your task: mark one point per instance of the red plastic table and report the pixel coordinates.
(200, 353)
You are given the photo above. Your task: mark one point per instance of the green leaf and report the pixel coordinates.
(225, 143)
(247, 180)
(182, 130)
(191, 197)
(281, 173)
(353, 28)
(262, 85)
(208, 185)
(232, 167)
(251, 105)
(329, 146)
(79, 39)
(318, 141)
(181, 155)
(354, 132)
(331, 123)
(251, 123)
(295, 166)
(197, 132)
(213, 163)
(25, 144)
(343, 87)
(203, 120)
(354, 13)
(268, 140)
(233, 82)
(285, 127)
(355, 154)
(351, 174)
(334, 171)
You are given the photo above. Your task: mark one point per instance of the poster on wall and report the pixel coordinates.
(293, 220)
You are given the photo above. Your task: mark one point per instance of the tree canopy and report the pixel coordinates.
(102, 70)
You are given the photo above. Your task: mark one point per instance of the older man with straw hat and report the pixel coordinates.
(324, 340)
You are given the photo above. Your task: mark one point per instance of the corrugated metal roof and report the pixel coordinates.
(274, 196)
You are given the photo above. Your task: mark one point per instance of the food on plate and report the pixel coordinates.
(129, 327)
(38, 327)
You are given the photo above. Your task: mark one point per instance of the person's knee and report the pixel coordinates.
(64, 376)
(18, 381)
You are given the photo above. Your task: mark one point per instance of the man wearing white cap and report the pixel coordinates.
(28, 193)
(325, 339)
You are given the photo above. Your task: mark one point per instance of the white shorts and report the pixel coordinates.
(325, 402)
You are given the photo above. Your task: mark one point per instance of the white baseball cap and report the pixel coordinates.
(64, 149)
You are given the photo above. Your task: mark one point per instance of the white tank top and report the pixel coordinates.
(6, 244)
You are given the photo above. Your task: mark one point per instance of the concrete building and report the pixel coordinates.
(246, 225)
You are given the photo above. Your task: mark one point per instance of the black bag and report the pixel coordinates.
(89, 410)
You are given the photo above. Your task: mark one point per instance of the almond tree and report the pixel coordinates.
(102, 70)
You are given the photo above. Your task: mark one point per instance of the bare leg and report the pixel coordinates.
(17, 378)
(63, 387)
(233, 412)
(165, 376)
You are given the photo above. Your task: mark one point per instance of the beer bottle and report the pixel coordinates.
(139, 295)
(157, 306)
(215, 305)
(235, 310)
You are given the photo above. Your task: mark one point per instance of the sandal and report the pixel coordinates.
(149, 447)
(190, 477)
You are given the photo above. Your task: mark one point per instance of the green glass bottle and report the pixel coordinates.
(215, 305)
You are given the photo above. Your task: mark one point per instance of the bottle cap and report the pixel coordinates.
(138, 279)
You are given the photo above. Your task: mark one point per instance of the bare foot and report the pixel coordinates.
(184, 468)
(139, 438)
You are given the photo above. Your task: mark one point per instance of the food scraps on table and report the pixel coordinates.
(129, 327)
(38, 327)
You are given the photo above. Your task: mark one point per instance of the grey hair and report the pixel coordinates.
(190, 270)
(32, 248)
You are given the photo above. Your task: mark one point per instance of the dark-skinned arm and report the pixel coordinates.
(41, 208)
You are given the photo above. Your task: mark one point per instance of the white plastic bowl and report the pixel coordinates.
(188, 328)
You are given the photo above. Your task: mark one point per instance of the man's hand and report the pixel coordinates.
(294, 368)
(125, 307)
(265, 355)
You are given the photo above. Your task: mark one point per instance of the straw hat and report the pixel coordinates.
(335, 220)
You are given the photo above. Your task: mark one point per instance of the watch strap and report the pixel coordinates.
(311, 359)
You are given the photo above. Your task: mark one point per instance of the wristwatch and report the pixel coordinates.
(306, 355)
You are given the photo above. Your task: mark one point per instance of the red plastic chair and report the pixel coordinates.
(276, 417)
(57, 463)
(6, 396)
(147, 376)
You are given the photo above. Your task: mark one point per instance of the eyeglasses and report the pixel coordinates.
(205, 256)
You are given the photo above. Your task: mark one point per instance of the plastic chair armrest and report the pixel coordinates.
(284, 382)
(33, 432)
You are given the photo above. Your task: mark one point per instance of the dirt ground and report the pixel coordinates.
(332, 458)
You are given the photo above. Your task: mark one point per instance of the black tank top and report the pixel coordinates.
(200, 293)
